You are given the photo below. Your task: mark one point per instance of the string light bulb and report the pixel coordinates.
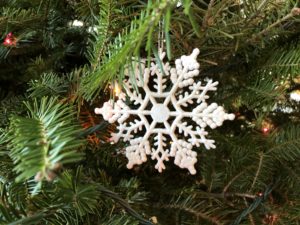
(295, 95)
(265, 130)
(260, 194)
(117, 89)
(10, 40)
(267, 126)
(7, 41)
(271, 219)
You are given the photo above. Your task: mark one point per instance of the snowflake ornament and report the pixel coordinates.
(161, 113)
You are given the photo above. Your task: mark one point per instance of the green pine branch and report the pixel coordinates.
(124, 47)
(49, 84)
(44, 140)
(107, 18)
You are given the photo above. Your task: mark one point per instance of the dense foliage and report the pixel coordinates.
(58, 59)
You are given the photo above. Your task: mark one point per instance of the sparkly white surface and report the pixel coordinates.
(183, 94)
(76, 23)
(295, 96)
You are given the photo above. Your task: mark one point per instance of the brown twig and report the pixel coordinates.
(294, 12)
(261, 157)
(207, 20)
(231, 181)
(229, 194)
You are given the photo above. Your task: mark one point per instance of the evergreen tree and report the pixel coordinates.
(58, 60)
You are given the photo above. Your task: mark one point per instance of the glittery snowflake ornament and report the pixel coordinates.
(169, 113)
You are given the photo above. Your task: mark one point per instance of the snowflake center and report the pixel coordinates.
(160, 113)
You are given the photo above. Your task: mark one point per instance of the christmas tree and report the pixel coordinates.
(108, 109)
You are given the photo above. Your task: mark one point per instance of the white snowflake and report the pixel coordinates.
(163, 111)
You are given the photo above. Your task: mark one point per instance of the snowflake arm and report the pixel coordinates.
(159, 153)
(137, 151)
(184, 156)
(188, 98)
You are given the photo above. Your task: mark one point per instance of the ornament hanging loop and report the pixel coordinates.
(161, 37)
